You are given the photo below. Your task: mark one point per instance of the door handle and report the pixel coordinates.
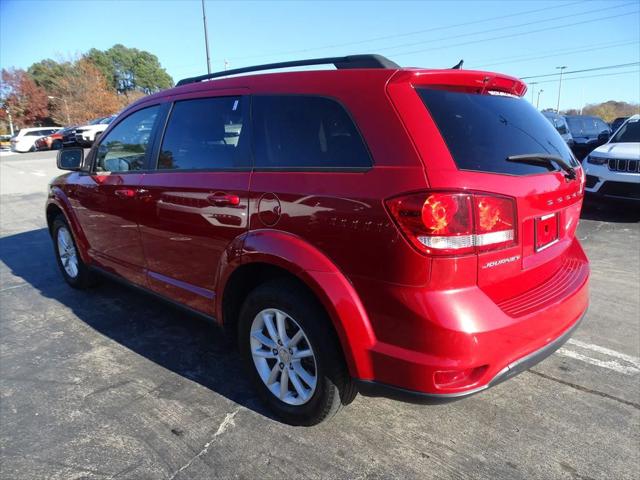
(220, 199)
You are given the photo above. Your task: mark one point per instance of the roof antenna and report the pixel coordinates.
(458, 65)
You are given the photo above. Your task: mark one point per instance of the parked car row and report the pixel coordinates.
(54, 138)
(582, 133)
(610, 153)
(613, 169)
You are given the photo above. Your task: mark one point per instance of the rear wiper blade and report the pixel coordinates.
(544, 159)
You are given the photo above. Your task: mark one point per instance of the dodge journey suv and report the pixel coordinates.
(395, 232)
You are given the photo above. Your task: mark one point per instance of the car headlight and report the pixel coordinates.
(596, 160)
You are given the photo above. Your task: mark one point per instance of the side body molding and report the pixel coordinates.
(329, 284)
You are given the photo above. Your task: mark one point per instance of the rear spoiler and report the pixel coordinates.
(465, 80)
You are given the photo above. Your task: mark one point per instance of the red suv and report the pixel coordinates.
(394, 232)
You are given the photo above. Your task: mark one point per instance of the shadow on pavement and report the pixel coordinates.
(609, 210)
(180, 342)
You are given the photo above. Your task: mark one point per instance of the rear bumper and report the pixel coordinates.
(422, 336)
(370, 388)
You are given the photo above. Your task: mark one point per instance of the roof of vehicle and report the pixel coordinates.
(370, 68)
(583, 116)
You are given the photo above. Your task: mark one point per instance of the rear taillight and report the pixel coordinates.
(455, 223)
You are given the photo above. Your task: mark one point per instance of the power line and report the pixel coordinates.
(405, 34)
(515, 34)
(637, 72)
(584, 70)
(558, 53)
(507, 27)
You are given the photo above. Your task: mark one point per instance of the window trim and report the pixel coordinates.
(246, 114)
(148, 153)
(311, 169)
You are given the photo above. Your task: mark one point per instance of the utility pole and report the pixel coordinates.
(559, 87)
(538, 102)
(206, 38)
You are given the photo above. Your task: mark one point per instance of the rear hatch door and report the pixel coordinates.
(476, 133)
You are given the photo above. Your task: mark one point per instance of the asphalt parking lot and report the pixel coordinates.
(111, 383)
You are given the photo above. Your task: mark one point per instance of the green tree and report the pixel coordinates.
(129, 69)
(47, 73)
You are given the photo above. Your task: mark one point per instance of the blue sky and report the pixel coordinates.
(529, 37)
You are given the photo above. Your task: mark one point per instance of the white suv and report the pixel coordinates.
(25, 139)
(87, 134)
(613, 169)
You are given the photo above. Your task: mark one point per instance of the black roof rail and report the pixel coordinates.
(350, 61)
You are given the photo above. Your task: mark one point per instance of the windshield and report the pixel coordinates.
(628, 133)
(481, 131)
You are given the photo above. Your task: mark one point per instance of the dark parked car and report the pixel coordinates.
(69, 139)
(588, 132)
(372, 229)
(560, 124)
(617, 123)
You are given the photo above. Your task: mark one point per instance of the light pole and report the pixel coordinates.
(538, 102)
(206, 38)
(559, 87)
(66, 107)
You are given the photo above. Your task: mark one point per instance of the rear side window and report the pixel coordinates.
(206, 134)
(305, 132)
(481, 131)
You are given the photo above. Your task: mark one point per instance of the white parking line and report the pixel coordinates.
(616, 361)
(606, 351)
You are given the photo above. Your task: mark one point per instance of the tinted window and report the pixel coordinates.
(576, 126)
(481, 131)
(125, 147)
(630, 132)
(305, 132)
(601, 126)
(206, 133)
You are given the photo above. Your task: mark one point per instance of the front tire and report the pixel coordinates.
(73, 269)
(292, 354)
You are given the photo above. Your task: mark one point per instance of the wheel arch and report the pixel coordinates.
(271, 254)
(58, 204)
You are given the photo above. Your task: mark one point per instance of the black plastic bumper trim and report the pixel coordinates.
(370, 388)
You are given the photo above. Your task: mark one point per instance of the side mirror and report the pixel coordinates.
(70, 159)
(604, 137)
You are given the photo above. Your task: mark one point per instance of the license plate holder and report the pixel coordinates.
(546, 231)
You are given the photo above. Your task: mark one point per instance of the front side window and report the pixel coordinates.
(305, 132)
(125, 148)
(206, 134)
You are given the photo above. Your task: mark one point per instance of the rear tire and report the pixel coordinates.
(316, 379)
(73, 269)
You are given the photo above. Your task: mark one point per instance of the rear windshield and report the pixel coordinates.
(481, 131)
(629, 133)
(586, 126)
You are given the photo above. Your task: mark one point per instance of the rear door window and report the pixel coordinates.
(481, 131)
(206, 134)
(305, 132)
